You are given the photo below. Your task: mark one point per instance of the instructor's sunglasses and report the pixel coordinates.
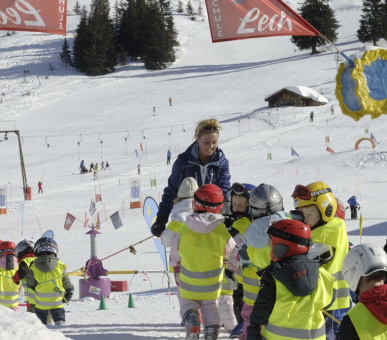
(211, 128)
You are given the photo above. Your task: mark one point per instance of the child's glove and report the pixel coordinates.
(159, 226)
(230, 278)
(69, 295)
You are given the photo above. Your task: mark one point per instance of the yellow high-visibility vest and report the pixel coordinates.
(299, 317)
(28, 292)
(367, 326)
(334, 233)
(9, 290)
(201, 267)
(49, 288)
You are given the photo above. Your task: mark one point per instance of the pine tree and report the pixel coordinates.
(128, 28)
(319, 14)
(77, 8)
(142, 27)
(180, 8)
(81, 42)
(169, 29)
(117, 16)
(372, 21)
(101, 49)
(65, 56)
(189, 9)
(156, 55)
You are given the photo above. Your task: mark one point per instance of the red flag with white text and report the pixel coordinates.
(69, 221)
(33, 15)
(244, 19)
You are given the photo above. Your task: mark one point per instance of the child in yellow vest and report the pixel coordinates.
(318, 205)
(294, 288)
(47, 276)
(179, 213)
(198, 252)
(25, 255)
(365, 270)
(9, 290)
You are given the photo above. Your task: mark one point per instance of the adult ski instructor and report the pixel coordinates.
(204, 161)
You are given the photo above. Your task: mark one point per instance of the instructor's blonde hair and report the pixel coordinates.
(206, 122)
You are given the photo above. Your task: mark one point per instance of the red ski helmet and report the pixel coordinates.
(7, 248)
(289, 238)
(208, 198)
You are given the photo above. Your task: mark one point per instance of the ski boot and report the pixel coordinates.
(192, 324)
(59, 322)
(211, 332)
(237, 331)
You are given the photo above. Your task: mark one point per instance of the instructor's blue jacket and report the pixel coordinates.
(187, 165)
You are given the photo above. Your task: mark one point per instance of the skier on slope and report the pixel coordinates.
(354, 206)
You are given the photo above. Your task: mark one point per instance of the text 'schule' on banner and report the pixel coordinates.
(244, 19)
(48, 16)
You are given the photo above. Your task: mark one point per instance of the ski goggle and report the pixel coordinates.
(211, 128)
(240, 189)
(304, 193)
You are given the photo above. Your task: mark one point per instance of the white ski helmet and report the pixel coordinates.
(363, 260)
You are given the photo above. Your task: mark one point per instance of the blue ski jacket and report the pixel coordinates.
(187, 165)
(352, 201)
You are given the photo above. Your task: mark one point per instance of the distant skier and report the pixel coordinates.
(170, 101)
(107, 166)
(311, 117)
(102, 165)
(169, 154)
(139, 169)
(40, 189)
(354, 205)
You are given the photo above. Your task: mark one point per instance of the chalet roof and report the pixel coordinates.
(303, 91)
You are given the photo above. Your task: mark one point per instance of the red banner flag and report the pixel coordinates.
(69, 221)
(86, 221)
(330, 150)
(244, 19)
(98, 198)
(33, 15)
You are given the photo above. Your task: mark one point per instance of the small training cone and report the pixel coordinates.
(102, 305)
(131, 302)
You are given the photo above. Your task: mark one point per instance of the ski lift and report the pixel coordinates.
(143, 134)
(48, 145)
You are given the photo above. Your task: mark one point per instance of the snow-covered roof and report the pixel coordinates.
(304, 91)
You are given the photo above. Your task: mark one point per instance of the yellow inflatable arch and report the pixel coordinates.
(362, 139)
